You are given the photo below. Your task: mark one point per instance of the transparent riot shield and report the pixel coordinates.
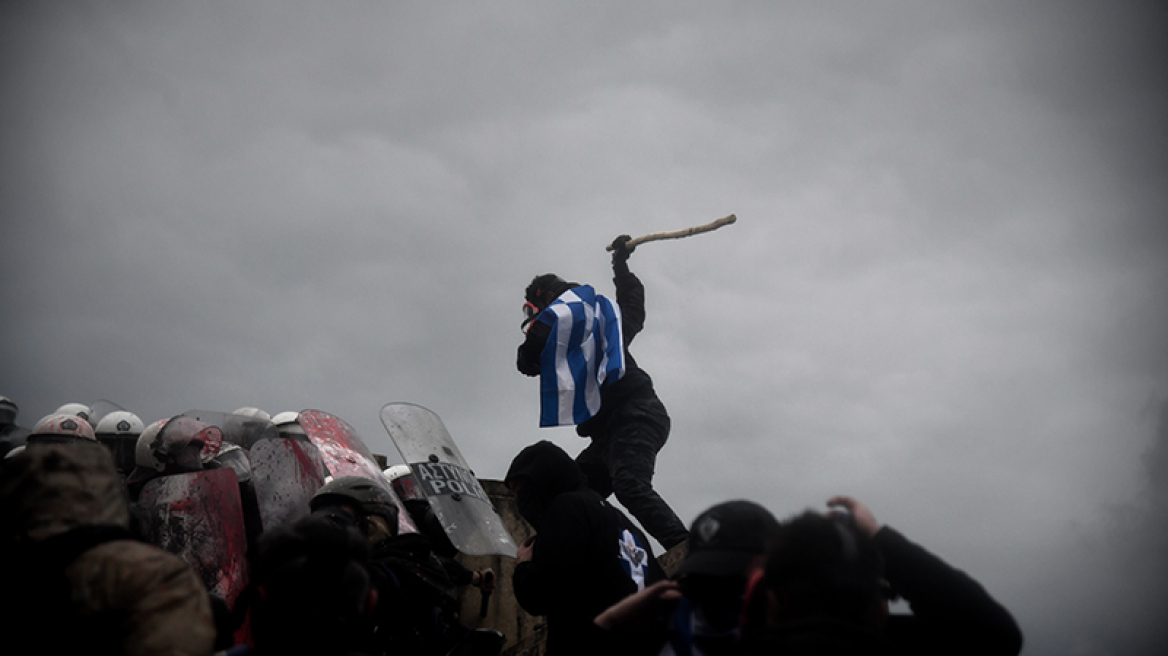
(199, 517)
(237, 429)
(180, 436)
(457, 498)
(286, 473)
(344, 454)
(99, 409)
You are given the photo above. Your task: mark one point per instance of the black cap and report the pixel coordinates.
(725, 538)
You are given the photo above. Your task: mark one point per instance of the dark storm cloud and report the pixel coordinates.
(945, 292)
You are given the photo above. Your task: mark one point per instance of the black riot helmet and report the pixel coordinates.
(359, 492)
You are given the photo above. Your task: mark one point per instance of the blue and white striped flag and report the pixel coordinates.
(585, 349)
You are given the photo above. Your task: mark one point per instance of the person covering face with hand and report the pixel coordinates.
(828, 580)
(610, 399)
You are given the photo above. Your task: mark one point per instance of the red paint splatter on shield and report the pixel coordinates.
(199, 517)
(346, 455)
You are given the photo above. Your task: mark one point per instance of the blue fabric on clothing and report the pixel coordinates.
(584, 351)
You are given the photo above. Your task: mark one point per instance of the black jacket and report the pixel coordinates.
(635, 384)
(578, 567)
(417, 609)
(951, 614)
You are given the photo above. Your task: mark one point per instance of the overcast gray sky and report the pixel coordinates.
(946, 293)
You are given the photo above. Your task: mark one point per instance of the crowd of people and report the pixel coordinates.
(819, 582)
(339, 577)
(182, 549)
(229, 533)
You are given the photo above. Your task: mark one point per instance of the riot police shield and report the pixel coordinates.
(199, 517)
(242, 430)
(99, 409)
(186, 443)
(344, 454)
(286, 473)
(457, 498)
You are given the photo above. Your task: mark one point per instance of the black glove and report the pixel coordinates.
(620, 249)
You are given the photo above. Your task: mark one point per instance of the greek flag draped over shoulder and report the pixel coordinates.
(585, 349)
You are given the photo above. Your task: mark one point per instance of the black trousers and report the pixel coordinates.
(622, 458)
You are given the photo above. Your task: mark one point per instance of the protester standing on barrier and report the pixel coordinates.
(577, 343)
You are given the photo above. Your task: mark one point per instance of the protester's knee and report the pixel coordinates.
(629, 490)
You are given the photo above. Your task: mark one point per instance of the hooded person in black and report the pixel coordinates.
(632, 424)
(586, 554)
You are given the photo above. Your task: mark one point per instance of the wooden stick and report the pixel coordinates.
(678, 234)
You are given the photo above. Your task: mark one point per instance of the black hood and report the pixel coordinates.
(547, 471)
(546, 288)
(547, 468)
